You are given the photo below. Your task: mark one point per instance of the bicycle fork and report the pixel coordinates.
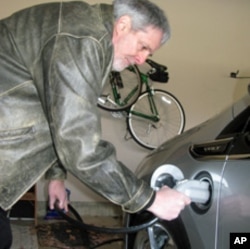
(154, 116)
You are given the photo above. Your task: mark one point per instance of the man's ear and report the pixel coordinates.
(123, 25)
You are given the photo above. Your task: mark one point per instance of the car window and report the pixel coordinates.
(241, 124)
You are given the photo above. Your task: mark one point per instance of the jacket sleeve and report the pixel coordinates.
(57, 171)
(73, 83)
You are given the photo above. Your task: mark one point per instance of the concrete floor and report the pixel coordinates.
(25, 232)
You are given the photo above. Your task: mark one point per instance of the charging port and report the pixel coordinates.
(202, 208)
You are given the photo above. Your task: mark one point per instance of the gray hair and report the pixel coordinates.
(143, 14)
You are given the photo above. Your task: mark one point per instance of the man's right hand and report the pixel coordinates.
(57, 193)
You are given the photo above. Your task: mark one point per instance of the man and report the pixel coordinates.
(54, 60)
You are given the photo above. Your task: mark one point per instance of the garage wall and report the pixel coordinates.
(210, 39)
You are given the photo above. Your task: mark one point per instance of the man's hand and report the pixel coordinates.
(57, 192)
(168, 203)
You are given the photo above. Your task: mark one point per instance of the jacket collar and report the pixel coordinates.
(108, 17)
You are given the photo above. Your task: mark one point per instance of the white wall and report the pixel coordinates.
(210, 38)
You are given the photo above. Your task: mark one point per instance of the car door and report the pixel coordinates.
(234, 208)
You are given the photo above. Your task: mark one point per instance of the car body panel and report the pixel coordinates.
(217, 150)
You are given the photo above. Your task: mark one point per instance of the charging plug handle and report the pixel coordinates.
(197, 191)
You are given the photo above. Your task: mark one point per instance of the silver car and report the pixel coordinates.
(217, 153)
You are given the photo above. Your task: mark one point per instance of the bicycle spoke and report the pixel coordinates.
(149, 133)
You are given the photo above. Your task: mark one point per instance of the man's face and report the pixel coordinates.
(133, 47)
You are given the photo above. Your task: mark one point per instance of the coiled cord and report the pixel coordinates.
(78, 222)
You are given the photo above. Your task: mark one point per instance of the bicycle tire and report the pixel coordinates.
(129, 91)
(150, 134)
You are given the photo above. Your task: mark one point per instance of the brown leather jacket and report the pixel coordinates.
(54, 60)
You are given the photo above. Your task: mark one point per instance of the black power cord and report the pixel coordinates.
(78, 222)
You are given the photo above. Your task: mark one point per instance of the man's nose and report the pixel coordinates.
(141, 57)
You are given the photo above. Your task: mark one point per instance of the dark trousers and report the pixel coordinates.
(5, 231)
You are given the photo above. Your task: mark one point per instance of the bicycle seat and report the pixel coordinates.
(156, 65)
(159, 72)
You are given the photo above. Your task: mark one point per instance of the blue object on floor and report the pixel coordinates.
(52, 215)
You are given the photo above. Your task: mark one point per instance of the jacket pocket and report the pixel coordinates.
(15, 134)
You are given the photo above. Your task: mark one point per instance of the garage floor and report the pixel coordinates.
(27, 236)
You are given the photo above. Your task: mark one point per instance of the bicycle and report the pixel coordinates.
(153, 116)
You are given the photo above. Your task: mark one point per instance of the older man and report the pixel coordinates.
(54, 60)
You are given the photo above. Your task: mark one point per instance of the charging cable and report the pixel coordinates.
(80, 224)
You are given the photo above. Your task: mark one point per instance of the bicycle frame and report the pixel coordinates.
(116, 83)
(152, 115)
(155, 116)
(115, 99)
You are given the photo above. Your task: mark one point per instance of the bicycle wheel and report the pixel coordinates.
(151, 130)
(122, 90)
